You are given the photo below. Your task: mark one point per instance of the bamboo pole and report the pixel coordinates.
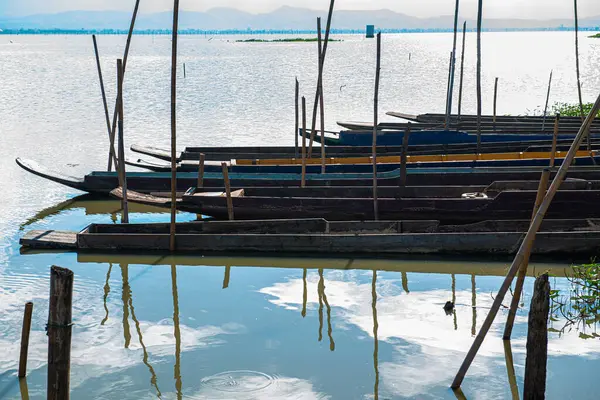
(554, 140)
(479, 19)
(303, 179)
(296, 99)
(537, 341)
(529, 237)
(404, 155)
(462, 69)
(320, 77)
(304, 292)
(226, 276)
(447, 117)
(113, 130)
(510, 370)
(577, 61)
(121, 165)
(375, 335)
(453, 65)
(104, 102)
(375, 123)
(227, 191)
(321, 101)
(176, 333)
(174, 125)
(59, 333)
(25, 339)
(495, 101)
(201, 170)
(547, 100)
(514, 305)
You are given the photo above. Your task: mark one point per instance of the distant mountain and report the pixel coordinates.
(284, 18)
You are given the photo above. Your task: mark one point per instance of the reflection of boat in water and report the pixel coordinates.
(91, 205)
(418, 264)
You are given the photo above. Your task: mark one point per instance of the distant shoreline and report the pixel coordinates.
(263, 32)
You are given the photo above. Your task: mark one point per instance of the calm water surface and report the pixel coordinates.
(257, 328)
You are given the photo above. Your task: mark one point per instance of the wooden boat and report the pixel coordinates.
(227, 153)
(433, 117)
(394, 138)
(318, 236)
(505, 205)
(148, 182)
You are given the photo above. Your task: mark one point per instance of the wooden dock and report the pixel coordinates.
(51, 239)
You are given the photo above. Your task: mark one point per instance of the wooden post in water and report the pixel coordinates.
(174, 125)
(303, 178)
(547, 100)
(514, 305)
(121, 164)
(201, 171)
(375, 123)
(554, 139)
(447, 119)
(537, 341)
(529, 237)
(453, 66)
(320, 78)
(227, 190)
(113, 130)
(184, 74)
(25, 339)
(59, 333)
(479, 18)
(495, 100)
(297, 99)
(404, 156)
(104, 103)
(577, 61)
(462, 69)
(321, 103)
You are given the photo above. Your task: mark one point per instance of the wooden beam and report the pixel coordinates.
(462, 69)
(375, 123)
(59, 333)
(537, 341)
(121, 165)
(25, 339)
(174, 124)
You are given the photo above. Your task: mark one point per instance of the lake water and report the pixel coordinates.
(258, 328)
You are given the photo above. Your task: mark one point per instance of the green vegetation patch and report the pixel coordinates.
(596, 36)
(291, 40)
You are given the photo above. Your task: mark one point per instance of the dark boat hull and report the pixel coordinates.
(505, 206)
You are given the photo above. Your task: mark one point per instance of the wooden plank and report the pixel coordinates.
(50, 239)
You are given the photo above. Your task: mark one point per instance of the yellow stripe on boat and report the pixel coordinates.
(532, 155)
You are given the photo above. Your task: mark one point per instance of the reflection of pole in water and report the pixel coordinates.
(510, 369)
(320, 292)
(304, 291)
(405, 282)
(226, 277)
(23, 388)
(329, 328)
(375, 339)
(106, 292)
(153, 378)
(454, 301)
(177, 332)
(126, 293)
(474, 305)
(458, 393)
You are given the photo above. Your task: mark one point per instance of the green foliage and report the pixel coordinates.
(579, 306)
(571, 110)
(596, 36)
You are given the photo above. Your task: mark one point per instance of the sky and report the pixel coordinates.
(526, 9)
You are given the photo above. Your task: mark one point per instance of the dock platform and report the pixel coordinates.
(51, 239)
